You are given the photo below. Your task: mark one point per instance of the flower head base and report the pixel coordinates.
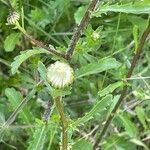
(13, 17)
(60, 74)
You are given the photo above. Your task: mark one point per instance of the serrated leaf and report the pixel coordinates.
(39, 138)
(97, 67)
(110, 88)
(137, 8)
(15, 98)
(82, 145)
(97, 108)
(23, 56)
(11, 41)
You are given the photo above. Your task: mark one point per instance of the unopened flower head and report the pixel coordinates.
(13, 17)
(60, 74)
(95, 35)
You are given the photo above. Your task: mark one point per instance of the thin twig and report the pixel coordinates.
(77, 33)
(38, 43)
(124, 91)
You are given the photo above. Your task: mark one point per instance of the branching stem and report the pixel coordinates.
(124, 91)
(77, 33)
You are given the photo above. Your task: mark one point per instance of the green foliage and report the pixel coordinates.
(97, 67)
(101, 60)
(15, 98)
(82, 145)
(97, 109)
(23, 56)
(137, 8)
(110, 88)
(11, 41)
(39, 137)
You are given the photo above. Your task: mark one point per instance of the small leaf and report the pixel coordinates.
(139, 143)
(15, 98)
(110, 88)
(97, 67)
(39, 138)
(97, 109)
(79, 14)
(42, 70)
(11, 41)
(130, 127)
(23, 56)
(82, 145)
(141, 116)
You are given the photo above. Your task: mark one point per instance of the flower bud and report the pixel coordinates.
(60, 74)
(95, 35)
(13, 17)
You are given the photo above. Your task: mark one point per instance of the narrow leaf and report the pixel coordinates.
(39, 138)
(110, 88)
(130, 127)
(23, 56)
(138, 8)
(97, 108)
(15, 98)
(141, 116)
(97, 67)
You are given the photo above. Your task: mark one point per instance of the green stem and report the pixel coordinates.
(64, 122)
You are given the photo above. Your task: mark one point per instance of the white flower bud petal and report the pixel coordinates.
(60, 74)
(13, 17)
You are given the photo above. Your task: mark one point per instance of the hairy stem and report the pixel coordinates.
(124, 91)
(64, 122)
(77, 33)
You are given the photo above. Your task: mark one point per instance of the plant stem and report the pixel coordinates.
(124, 91)
(77, 33)
(64, 122)
(38, 43)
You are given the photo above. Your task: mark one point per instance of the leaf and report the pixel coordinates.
(97, 108)
(82, 145)
(11, 41)
(110, 88)
(139, 143)
(79, 14)
(97, 67)
(137, 8)
(23, 56)
(39, 138)
(141, 116)
(130, 127)
(15, 98)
